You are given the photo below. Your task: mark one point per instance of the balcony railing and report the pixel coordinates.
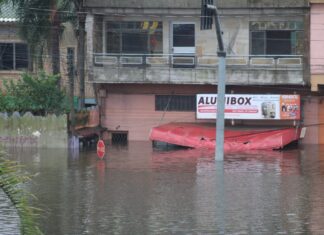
(196, 61)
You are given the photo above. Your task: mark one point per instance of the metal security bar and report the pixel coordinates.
(192, 60)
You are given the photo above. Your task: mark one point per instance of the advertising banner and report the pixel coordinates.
(257, 107)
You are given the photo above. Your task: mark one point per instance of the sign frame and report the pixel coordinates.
(250, 106)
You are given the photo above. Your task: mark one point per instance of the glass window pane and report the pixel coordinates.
(278, 42)
(21, 56)
(6, 56)
(113, 26)
(258, 43)
(299, 47)
(113, 42)
(183, 35)
(140, 37)
(113, 37)
(135, 43)
(156, 43)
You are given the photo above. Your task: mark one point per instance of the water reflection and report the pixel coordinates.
(137, 190)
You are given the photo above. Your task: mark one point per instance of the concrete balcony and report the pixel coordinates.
(193, 69)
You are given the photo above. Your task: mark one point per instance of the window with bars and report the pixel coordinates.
(175, 102)
(13, 56)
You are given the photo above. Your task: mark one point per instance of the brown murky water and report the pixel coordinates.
(136, 190)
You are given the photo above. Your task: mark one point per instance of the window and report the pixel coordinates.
(119, 138)
(183, 35)
(70, 57)
(144, 37)
(276, 38)
(13, 56)
(183, 38)
(175, 103)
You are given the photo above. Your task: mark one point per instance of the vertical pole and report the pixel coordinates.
(221, 87)
(220, 124)
(74, 140)
(70, 65)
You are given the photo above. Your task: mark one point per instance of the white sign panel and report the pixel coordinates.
(238, 106)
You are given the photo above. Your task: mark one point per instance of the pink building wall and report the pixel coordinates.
(131, 108)
(136, 114)
(311, 116)
(317, 39)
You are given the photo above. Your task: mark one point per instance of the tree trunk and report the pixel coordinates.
(56, 50)
(31, 51)
(40, 60)
(55, 33)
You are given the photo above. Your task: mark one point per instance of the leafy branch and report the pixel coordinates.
(11, 179)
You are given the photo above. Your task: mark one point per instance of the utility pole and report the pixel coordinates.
(70, 68)
(209, 10)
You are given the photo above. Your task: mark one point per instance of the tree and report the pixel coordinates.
(41, 25)
(78, 19)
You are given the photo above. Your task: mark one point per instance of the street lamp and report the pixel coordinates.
(208, 11)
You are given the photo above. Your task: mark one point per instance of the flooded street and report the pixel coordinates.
(136, 190)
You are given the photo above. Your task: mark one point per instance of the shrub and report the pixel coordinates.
(37, 94)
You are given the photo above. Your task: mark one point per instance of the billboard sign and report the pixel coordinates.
(257, 107)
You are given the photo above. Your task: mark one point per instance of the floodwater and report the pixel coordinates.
(9, 219)
(138, 190)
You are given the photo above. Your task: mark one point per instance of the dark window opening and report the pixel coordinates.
(144, 37)
(258, 43)
(21, 56)
(119, 138)
(183, 35)
(276, 42)
(175, 103)
(70, 60)
(13, 56)
(135, 43)
(6, 56)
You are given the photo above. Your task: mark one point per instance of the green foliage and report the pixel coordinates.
(39, 95)
(10, 180)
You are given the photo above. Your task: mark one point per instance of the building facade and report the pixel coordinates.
(317, 63)
(149, 59)
(14, 55)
